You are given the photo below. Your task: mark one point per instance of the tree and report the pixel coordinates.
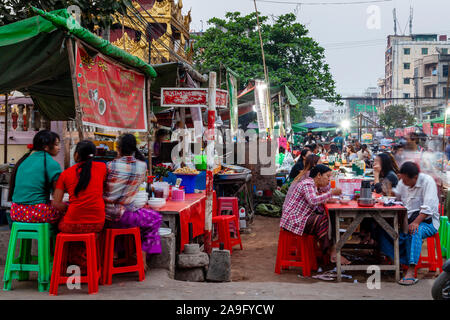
(93, 13)
(396, 116)
(292, 58)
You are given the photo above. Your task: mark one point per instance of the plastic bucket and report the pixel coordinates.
(188, 182)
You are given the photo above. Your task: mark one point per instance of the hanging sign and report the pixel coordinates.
(261, 105)
(111, 97)
(191, 97)
(232, 89)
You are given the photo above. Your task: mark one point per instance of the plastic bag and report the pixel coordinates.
(288, 163)
(270, 210)
(278, 198)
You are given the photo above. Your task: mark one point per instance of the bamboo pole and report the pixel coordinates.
(150, 126)
(210, 160)
(5, 141)
(266, 74)
(78, 111)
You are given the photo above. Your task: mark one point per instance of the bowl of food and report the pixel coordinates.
(333, 199)
(345, 199)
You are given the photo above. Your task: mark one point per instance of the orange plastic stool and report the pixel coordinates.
(93, 270)
(224, 223)
(108, 269)
(431, 261)
(296, 251)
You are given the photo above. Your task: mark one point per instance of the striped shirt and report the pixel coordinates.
(125, 175)
(302, 200)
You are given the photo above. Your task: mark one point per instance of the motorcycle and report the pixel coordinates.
(441, 286)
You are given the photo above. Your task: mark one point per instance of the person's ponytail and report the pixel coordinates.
(12, 179)
(86, 151)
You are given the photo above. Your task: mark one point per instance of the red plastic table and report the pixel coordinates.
(191, 210)
(378, 212)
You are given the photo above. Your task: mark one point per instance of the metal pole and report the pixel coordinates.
(210, 160)
(5, 141)
(78, 111)
(445, 119)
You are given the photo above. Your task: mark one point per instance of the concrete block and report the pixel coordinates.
(166, 259)
(192, 275)
(193, 248)
(186, 261)
(219, 268)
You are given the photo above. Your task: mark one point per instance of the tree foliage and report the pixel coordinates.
(292, 57)
(396, 116)
(93, 12)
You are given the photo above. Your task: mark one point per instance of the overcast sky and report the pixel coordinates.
(354, 52)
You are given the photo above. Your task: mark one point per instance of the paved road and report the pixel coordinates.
(159, 286)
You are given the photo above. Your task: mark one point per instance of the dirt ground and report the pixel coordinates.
(256, 263)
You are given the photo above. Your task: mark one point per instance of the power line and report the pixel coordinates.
(322, 3)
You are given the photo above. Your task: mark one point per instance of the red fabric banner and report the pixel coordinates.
(437, 126)
(399, 132)
(426, 127)
(111, 96)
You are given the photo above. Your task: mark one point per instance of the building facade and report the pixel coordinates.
(401, 54)
(430, 82)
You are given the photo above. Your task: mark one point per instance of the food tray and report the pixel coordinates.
(233, 176)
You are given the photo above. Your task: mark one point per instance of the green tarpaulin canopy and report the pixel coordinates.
(438, 120)
(299, 127)
(324, 130)
(34, 60)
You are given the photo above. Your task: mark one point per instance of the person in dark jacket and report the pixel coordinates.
(300, 164)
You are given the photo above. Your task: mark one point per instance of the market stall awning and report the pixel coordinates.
(315, 125)
(34, 60)
(299, 127)
(436, 120)
(324, 130)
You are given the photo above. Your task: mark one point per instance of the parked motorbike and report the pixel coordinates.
(441, 286)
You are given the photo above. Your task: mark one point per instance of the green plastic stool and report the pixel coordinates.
(20, 267)
(443, 230)
(447, 241)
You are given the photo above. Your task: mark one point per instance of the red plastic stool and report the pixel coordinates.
(108, 261)
(93, 272)
(296, 251)
(224, 223)
(431, 261)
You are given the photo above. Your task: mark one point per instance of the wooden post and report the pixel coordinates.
(210, 160)
(78, 111)
(150, 126)
(5, 141)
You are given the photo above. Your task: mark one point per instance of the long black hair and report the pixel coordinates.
(86, 151)
(42, 139)
(320, 168)
(128, 146)
(386, 164)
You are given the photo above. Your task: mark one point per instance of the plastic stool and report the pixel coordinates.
(224, 223)
(430, 261)
(108, 261)
(93, 272)
(295, 251)
(20, 267)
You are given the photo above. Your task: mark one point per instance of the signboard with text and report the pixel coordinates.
(191, 97)
(111, 97)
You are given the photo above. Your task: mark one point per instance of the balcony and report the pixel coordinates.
(430, 80)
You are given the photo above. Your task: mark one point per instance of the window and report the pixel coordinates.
(424, 50)
(406, 51)
(444, 51)
(406, 65)
(445, 70)
(444, 93)
(406, 95)
(406, 80)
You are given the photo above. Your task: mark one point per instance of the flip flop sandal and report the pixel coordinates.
(408, 284)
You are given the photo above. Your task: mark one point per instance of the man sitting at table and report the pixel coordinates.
(418, 192)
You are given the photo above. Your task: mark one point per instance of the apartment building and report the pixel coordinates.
(334, 114)
(430, 82)
(401, 54)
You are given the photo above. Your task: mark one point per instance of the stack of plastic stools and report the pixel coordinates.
(434, 259)
(19, 268)
(108, 268)
(61, 252)
(224, 223)
(295, 251)
(443, 231)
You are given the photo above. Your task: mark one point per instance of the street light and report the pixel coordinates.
(345, 124)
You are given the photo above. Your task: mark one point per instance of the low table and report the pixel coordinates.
(378, 212)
